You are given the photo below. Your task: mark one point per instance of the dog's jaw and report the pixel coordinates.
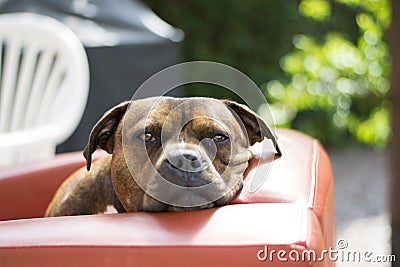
(181, 209)
(152, 205)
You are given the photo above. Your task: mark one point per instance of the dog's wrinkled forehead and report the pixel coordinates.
(173, 112)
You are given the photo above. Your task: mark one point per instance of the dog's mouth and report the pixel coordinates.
(158, 206)
(191, 199)
(183, 209)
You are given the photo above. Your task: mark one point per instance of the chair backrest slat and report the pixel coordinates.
(39, 84)
(52, 87)
(8, 82)
(24, 86)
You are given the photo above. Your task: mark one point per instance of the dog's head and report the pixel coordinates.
(177, 153)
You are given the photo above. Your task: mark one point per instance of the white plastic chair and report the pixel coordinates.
(44, 85)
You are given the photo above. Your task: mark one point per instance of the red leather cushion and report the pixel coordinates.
(303, 175)
(26, 190)
(292, 210)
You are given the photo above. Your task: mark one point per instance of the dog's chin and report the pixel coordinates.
(158, 206)
(153, 205)
(182, 209)
(150, 204)
(225, 200)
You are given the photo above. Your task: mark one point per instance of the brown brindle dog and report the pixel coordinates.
(163, 151)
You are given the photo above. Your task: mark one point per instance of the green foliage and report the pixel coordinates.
(323, 64)
(316, 9)
(337, 88)
(249, 35)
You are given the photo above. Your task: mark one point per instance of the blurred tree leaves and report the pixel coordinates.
(323, 64)
(251, 36)
(318, 10)
(345, 82)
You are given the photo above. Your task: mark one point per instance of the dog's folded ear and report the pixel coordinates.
(256, 127)
(102, 134)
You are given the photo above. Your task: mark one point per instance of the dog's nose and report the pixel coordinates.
(185, 167)
(191, 155)
(185, 160)
(194, 159)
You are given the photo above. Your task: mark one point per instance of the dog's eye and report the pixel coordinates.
(218, 138)
(147, 136)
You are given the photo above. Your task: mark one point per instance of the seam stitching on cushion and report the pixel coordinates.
(314, 173)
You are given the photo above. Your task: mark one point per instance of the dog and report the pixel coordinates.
(166, 154)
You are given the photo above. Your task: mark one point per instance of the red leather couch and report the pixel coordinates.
(291, 217)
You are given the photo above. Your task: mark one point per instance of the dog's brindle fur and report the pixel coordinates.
(108, 181)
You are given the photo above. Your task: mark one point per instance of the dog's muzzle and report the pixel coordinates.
(185, 167)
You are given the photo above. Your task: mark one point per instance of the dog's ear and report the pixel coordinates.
(256, 127)
(102, 134)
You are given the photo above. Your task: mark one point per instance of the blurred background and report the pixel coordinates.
(323, 65)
